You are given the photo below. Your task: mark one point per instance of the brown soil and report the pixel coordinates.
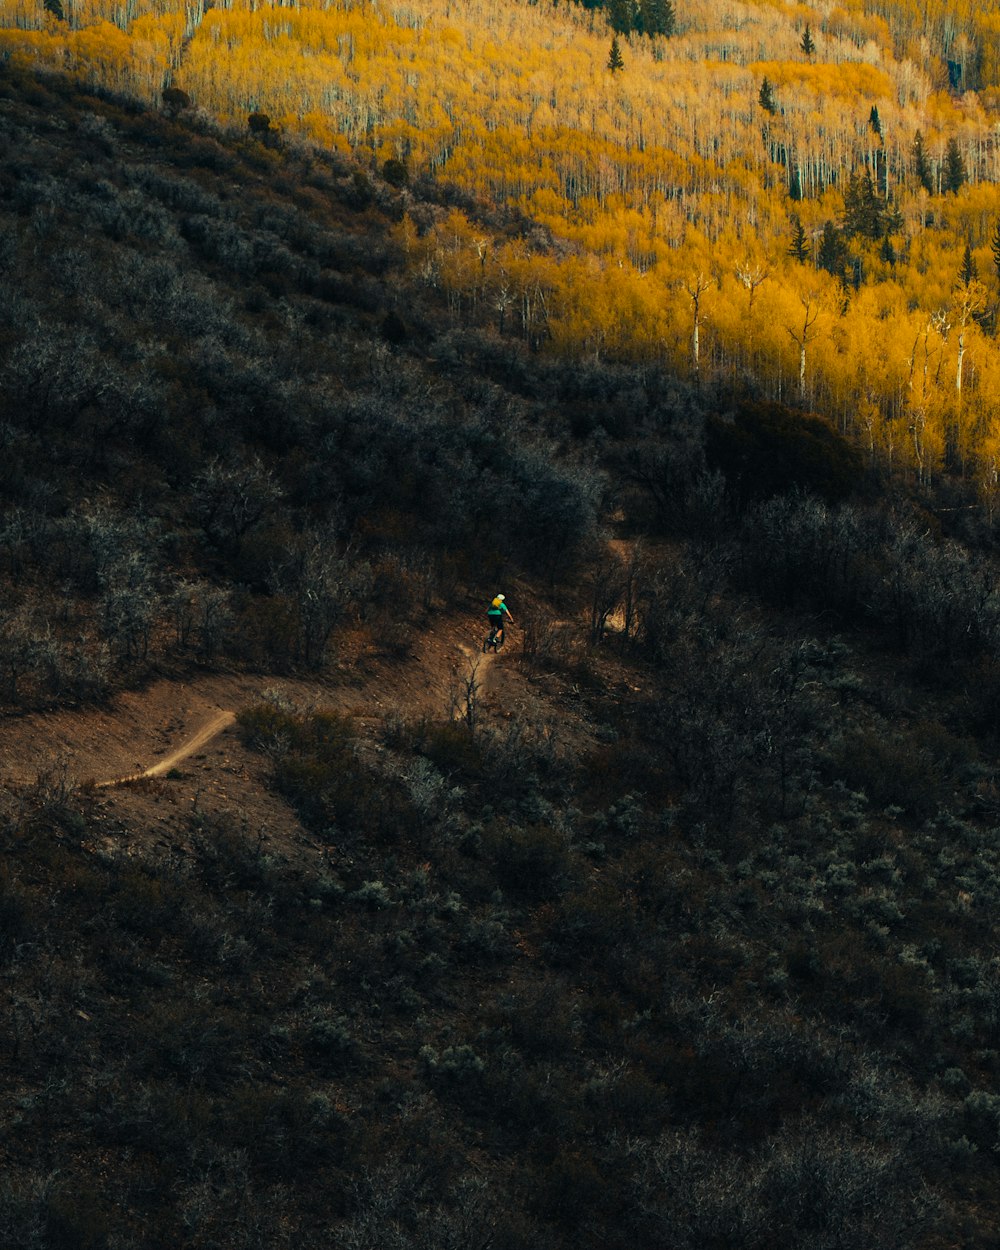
(153, 755)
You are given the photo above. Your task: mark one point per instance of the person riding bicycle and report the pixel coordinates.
(497, 614)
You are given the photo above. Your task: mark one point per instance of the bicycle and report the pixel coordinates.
(494, 640)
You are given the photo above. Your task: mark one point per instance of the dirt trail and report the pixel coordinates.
(144, 733)
(219, 722)
(155, 755)
(164, 760)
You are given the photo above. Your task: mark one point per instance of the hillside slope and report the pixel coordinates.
(810, 218)
(679, 931)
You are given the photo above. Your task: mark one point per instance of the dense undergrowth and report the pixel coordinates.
(711, 964)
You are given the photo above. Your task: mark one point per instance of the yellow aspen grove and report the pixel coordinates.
(657, 184)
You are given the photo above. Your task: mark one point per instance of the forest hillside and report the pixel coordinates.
(673, 927)
(798, 200)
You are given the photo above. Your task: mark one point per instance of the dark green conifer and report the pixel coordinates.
(615, 59)
(766, 98)
(969, 271)
(799, 246)
(807, 43)
(995, 248)
(921, 165)
(656, 17)
(953, 175)
(622, 15)
(832, 255)
(864, 213)
(874, 121)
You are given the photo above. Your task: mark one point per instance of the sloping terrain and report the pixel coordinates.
(182, 731)
(676, 929)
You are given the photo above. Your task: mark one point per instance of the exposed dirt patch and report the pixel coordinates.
(211, 729)
(156, 754)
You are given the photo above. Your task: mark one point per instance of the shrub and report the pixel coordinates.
(394, 171)
(16, 913)
(541, 1022)
(175, 100)
(457, 1072)
(332, 1043)
(892, 770)
(455, 751)
(534, 863)
(570, 1191)
(76, 1217)
(769, 450)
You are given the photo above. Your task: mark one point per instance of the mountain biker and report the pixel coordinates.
(497, 614)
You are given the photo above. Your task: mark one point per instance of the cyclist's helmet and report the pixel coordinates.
(501, 598)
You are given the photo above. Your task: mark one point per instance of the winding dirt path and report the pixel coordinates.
(178, 733)
(145, 732)
(220, 721)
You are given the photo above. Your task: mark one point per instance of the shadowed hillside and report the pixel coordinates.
(677, 930)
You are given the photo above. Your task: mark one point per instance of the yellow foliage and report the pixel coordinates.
(850, 80)
(653, 183)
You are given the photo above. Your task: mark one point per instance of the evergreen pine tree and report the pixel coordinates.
(656, 17)
(887, 252)
(863, 209)
(892, 219)
(921, 165)
(766, 97)
(995, 248)
(874, 121)
(832, 255)
(615, 60)
(623, 16)
(807, 43)
(55, 8)
(953, 175)
(969, 271)
(799, 246)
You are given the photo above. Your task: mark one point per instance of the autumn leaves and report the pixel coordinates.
(666, 184)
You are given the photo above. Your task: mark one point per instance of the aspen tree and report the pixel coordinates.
(970, 301)
(920, 388)
(802, 338)
(696, 287)
(751, 275)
